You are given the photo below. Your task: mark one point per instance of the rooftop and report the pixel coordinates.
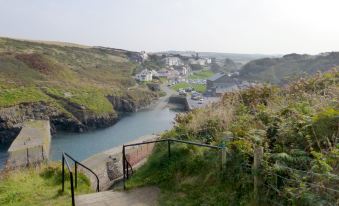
(216, 76)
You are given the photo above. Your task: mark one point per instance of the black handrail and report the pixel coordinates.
(76, 163)
(126, 164)
(84, 166)
(70, 176)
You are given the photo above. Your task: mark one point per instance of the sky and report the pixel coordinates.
(231, 26)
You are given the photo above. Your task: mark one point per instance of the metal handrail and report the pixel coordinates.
(126, 164)
(70, 176)
(84, 166)
(76, 163)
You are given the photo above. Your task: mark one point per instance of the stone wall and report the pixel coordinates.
(177, 99)
(108, 164)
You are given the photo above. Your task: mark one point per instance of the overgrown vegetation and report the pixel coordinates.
(288, 68)
(297, 126)
(38, 186)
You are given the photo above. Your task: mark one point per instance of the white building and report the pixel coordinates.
(144, 76)
(173, 61)
(200, 61)
(144, 55)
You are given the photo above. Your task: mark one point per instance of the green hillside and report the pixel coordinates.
(288, 67)
(76, 80)
(296, 127)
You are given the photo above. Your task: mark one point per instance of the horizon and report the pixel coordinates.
(51, 42)
(237, 27)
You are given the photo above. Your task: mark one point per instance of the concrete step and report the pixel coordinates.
(136, 197)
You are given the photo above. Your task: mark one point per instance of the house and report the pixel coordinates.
(154, 73)
(200, 61)
(219, 84)
(169, 73)
(183, 70)
(173, 61)
(144, 76)
(144, 55)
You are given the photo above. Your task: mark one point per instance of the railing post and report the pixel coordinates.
(169, 148)
(72, 188)
(223, 158)
(76, 174)
(63, 173)
(98, 189)
(123, 165)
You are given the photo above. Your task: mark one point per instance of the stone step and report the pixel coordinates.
(136, 197)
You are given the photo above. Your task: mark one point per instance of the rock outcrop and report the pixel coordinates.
(71, 117)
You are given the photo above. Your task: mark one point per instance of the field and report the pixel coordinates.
(202, 74)
(201, 88)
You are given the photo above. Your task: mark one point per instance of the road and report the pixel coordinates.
(163, 101)
(195, 103)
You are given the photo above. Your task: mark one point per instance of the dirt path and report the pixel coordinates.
(136, 197)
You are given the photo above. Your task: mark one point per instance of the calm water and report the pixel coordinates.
(128, 128)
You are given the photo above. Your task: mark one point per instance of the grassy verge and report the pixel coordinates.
(38, 186)
(183, 85)
(192, 176)
(202, 74)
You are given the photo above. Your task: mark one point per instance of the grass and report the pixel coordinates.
(93, 99)
(13, 96)
(184, 179)
(38, 186)
(183, 85)
(202, 74)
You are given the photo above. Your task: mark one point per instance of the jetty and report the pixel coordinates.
(31, 146)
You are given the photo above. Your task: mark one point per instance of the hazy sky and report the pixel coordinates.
(239, 26)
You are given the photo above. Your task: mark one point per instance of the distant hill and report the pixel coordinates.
(291, 66)
(241, 58)
(75, 86)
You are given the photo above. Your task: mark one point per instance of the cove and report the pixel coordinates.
(128, 128)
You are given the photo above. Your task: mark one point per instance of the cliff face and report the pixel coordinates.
(130, 103)
(75, 117)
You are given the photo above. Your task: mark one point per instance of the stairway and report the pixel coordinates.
(136, 197)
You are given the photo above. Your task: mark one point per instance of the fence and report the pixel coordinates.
(324, 185)
(263, 189)
(133, 154)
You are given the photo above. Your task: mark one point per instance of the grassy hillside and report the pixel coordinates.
(289, 67)
(38, 186)
(75, 80)
(297, 127)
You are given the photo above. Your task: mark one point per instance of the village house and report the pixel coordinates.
(144, 55)
(219, 84)
(183, 70)
(199, 61)
(144, 76)
(173, 61)
(168, 73)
